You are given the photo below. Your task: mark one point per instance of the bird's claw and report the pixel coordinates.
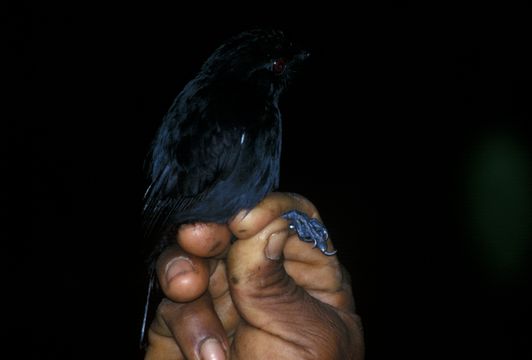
(308, 230)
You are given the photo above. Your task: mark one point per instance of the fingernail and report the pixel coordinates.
(275, 245)
(178, 266)
(211, 349)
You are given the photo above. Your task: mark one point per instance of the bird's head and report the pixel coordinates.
(263, 59)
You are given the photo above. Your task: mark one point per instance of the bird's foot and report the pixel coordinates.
(308, 230)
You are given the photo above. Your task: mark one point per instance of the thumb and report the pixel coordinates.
(261, 289)
(264, 294)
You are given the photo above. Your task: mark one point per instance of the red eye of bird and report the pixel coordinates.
(278, 66)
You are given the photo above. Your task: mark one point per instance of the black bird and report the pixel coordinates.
(218, 148)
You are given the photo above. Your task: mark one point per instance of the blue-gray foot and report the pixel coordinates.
(309, 230)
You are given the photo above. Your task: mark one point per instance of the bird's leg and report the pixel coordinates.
(308, 230)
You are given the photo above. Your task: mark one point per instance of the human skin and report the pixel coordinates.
(269, 295)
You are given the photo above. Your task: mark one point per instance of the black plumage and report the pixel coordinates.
(218, 148)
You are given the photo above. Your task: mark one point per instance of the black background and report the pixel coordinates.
(379, 129)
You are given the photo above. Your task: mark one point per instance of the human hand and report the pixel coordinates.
(268, 296)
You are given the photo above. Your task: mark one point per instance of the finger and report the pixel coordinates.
(328, 281)
(193, 327)
(182, 276)
(221, 298)
(249, 223)
(204, 239)
(269, 300)
(321, 276)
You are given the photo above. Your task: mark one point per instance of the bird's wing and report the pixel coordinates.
(205, 155)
